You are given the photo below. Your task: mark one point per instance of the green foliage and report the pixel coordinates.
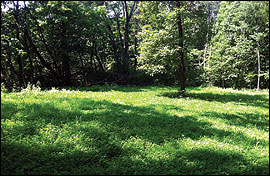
(66, 34)
(240, 27)
(73, 43)
(119, 130)
(159, 47)
(3, 88)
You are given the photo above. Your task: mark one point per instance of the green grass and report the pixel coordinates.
(135, 130)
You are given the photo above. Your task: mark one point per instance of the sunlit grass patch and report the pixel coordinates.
(135, 130)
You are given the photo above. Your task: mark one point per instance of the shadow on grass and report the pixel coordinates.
(20, 158)
(252, 120)
(252, 100)
(119, 122)
(23, 159)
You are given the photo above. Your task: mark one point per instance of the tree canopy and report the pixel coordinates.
(80, 43)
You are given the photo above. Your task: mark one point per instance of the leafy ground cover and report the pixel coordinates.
(135, 130)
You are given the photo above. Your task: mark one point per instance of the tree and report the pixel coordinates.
(65, 43)
(182, 78)
(161, 42)
(122, 57)
(240, 45)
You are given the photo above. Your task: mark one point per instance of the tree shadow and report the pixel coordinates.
(258, 121)
(145, 122)
(8, 109)
(251, 100)
(24, 159)
(214, 161)
(126, 121)
(119, 122)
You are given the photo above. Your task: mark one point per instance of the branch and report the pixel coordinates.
(132, 9)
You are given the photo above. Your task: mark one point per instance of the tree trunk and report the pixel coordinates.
(126, 38)
(48, 50)
(19, 57)
(136, 44)
(42, 60)
(21, 74)
(182, 78)
(259, 66)
(9, 59)
(32, 78)
(120, 37)
(65, 57)
(114, 46)
(42, 38)
(122, 59)
(66, 69)
(3, 77)
(101, 64)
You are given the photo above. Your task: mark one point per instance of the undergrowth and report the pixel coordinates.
(135, 130)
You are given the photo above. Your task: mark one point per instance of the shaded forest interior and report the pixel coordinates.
(82, 43)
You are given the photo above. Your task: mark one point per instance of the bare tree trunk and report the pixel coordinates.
(120, 36)
(205, 50)
(122, 59)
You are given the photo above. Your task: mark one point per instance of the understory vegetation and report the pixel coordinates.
(134, 130)
(134, 87)
(85, 43)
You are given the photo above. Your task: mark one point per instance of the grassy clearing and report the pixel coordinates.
(133, 130)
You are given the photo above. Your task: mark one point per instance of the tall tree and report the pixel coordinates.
(182, 69)
(240, 49)
(121, 11)
(168, 42)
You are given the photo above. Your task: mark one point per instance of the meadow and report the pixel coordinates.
(135, 130)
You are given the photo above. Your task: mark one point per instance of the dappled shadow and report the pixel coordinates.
(190, 162)
(52, 160)
(24, 159)
(119, 122)
(145, 122)
(214, 162)
(8, 109)
(125, 121)
(259, 121)
(244, 99)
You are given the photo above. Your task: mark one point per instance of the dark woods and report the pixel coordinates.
(81, 43)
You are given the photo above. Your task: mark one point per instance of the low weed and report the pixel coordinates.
(134, 130)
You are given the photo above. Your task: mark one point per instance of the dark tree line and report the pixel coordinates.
(79, 43)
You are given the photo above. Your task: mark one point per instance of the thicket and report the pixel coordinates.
(81, 43)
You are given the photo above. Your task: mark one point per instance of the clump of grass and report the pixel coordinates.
(134, 130)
